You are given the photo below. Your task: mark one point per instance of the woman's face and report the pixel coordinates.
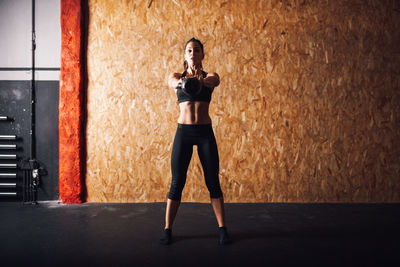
(193, 53)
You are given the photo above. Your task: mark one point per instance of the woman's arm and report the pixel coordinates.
(212, 80)
(174, 79)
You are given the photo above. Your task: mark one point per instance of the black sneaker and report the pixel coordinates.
(166, 237)
(224, 238)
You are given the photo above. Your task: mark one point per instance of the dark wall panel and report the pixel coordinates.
(15, 99)
(47, 137)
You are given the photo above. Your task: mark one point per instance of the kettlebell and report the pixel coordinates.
(191, 86)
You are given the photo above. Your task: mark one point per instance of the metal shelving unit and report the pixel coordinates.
(8, 163)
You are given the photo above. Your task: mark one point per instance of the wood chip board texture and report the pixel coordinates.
(308, 108)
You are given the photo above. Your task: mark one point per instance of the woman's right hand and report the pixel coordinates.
(174, 79)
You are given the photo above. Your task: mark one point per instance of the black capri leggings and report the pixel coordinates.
(188, 135)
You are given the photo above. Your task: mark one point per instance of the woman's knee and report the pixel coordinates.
(216, 194)
(175, 196)
(214, 187)
(176, 188)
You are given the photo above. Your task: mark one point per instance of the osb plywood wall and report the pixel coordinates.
(308, 109)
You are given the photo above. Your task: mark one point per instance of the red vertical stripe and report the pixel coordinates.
(70, 107)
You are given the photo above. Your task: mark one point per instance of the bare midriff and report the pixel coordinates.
(194, 112)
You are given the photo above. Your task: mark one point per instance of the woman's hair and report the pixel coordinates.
(185, 64)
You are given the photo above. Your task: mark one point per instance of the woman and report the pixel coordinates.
(194, 128)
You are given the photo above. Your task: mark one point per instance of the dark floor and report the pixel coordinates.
(92, 234)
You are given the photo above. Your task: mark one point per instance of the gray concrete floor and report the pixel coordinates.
(94, 234)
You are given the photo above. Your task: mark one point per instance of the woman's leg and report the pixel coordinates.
(208, 154)
(218, 207)
(172, 209)
(180, 159)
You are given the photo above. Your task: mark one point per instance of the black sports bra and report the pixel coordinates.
(204, 95)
